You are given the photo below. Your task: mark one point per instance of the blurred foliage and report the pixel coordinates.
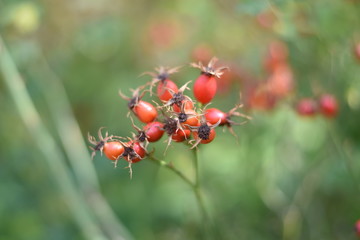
(289, 177)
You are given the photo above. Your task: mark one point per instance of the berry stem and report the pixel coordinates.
(196, 186)
(208, 225)
(172, 168)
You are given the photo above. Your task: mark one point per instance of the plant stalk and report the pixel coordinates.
(47, 146)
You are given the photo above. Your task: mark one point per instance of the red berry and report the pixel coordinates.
(181, 135)
(154, 131)
(281, 81)
(213, 115)
(206, 135)
(261, 98)
(191, 118)
(187, 105)
(357, 228)
(145, 111)
(328, 105)
(225, 83)
(205, 85)
(202, 53)
(357, 51)
(163, 89)
(205, 88)
(113, 150)
(139, 150)
(266, 19)
(277, 54)
(306, 107)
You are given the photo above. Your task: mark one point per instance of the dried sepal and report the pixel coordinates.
(178, 97)
(141, 136)
(130, 154)
(203, 131)
(210, 68)
(171, 127)
(98, 144)
(229, 123)
(160, 75)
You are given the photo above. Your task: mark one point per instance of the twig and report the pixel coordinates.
(172, 168)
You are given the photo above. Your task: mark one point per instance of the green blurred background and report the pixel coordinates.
(289, 177)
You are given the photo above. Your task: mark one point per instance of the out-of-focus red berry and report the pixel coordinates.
(357, 50)
(266, 19)
(154, 131)
(306, 107)
(281, 81)
(202, 53)
(357, 228)
(261, 98)
(165, 33)
(224, 83)
(277, 54)
(328, 105)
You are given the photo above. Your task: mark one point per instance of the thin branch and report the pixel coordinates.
(172, 168)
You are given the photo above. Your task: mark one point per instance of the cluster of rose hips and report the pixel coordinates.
(279, 81)
(278, 84)
(327, 105)
(174, 114)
